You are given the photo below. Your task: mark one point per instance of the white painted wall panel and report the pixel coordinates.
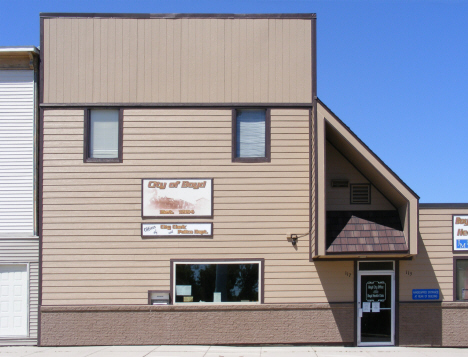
(16, 151)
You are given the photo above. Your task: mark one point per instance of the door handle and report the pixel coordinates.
(360, 312)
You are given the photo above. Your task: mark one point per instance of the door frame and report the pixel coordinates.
(392, 274)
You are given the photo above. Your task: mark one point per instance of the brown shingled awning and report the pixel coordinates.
(364, 231)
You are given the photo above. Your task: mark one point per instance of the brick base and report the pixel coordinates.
(433, 324)
(200, 325)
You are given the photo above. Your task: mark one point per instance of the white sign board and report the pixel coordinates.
(168, 230)
(460, 233)
(177, 198)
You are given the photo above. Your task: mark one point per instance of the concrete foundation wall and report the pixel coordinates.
(202, 325)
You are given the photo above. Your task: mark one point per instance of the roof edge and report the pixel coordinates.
(19, 49)
(180, 15)
(443, 205)
(369, 150)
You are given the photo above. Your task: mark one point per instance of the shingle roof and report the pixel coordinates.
(364, 231)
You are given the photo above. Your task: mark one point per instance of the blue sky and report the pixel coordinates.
(396, 72)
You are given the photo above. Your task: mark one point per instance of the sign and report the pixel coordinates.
(181, 230)
(425, 294)
(376, 291)
(375, 306)
(460, 233)
(174, 198)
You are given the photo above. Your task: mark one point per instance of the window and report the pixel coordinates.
(461, 279)
(251, 135)
(217, 282)
(103, 135)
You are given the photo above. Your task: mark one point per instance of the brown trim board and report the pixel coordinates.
(215, 105)
(180, 16)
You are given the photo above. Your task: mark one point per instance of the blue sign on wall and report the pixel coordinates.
(425, 294)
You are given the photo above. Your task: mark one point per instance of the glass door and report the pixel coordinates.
(376, 308)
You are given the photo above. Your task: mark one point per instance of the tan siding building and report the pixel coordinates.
(191, 179)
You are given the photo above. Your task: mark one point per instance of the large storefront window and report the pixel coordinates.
(217, 282)
(461, 283)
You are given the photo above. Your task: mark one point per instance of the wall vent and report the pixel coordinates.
(361, 193)
(339, 183)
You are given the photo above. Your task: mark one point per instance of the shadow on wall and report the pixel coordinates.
(337, 280)
(420, 321)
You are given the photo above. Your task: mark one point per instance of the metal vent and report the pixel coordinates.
(339, 183)
(360, 194)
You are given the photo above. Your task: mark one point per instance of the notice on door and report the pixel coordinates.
(376, 291)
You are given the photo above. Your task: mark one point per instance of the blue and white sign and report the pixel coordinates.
(460, 233)
(425, 294)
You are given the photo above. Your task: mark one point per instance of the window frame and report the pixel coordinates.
(87, 135)
(261, 282)
(455, 259)
(267, 157)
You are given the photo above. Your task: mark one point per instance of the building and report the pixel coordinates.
(19, 241)
(194, 190)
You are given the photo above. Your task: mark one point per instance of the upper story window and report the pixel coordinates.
(103, 135)
(251, 135)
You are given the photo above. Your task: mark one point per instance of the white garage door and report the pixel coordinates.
(13, 300)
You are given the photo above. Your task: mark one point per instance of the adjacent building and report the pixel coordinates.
(19, 241)
(194, 190)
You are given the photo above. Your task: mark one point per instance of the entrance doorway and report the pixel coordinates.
(376, 303)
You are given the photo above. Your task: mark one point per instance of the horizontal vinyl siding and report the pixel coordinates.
(16, 151)
(92, 249)
(432, 268)
(105, 60)
(24, 251)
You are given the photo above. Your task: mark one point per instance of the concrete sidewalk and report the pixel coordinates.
(229, 351)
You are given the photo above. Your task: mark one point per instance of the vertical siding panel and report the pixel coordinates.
(89, 42)
(214, 74)
(140, 67)
(250, 61)
(242, 62)
(170, 61)
(119, 61)
(264, 74)
(104, 65)
(228, 61)
(293, 63)
(257, 61)
(133, 35)
(73, 86)
(235, 77)
(111, 59)
(272, 60)
(82, 66)
(198, 60)
(279, 60)
(220, 61)
(162, 61)
(67, 61)
(308, 62)
(148, 62)
(47, 60)
(286, 72)
(60, 61)
(96, 80)
(300, 48)
(192, 61)
(155, 58)
(206, 59)
(184, 60)
(177, 60)
(125, 60)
